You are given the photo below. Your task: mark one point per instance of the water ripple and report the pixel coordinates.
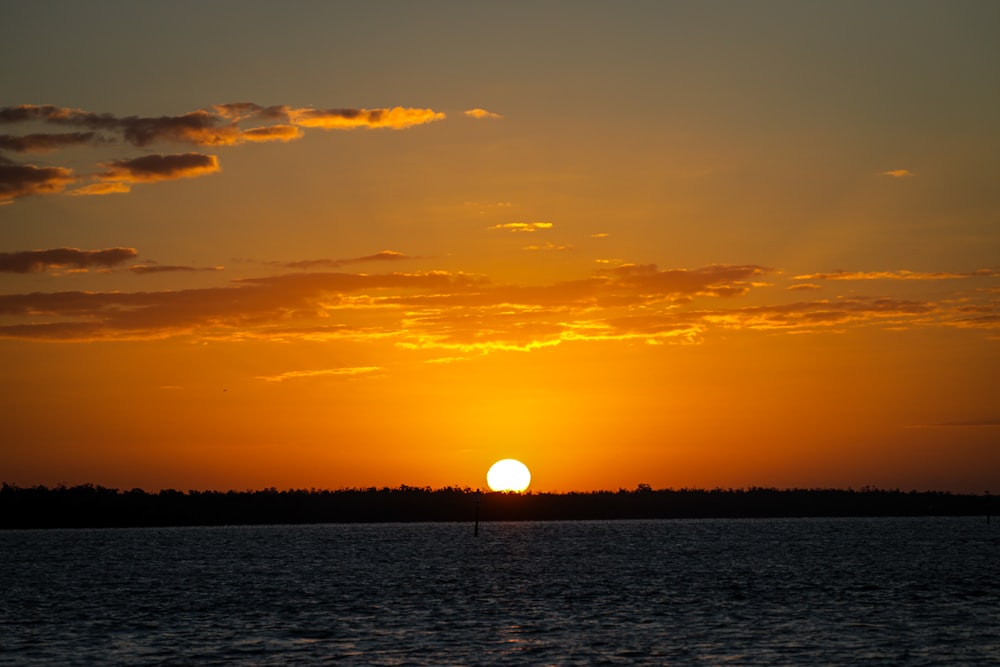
(830, 592)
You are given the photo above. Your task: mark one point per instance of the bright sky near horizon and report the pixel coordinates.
(685, 244)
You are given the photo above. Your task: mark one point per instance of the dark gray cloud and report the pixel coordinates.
(381, 256)
(43, 143)
(28, 261)
(20, 180)
(144, 269)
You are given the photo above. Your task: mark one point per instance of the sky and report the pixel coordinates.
(708, 244)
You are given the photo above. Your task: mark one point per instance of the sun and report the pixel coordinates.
(508, 475)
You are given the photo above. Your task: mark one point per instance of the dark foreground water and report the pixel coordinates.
(796, 592)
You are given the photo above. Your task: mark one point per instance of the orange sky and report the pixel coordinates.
(678, 244)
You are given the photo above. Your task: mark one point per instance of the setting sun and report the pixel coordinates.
(508, 475)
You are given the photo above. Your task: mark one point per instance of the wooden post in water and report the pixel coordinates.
(476, 500)
(987, 508)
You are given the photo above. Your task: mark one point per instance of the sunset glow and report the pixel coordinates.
(329, 246)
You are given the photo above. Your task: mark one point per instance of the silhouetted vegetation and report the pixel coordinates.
(95, 506)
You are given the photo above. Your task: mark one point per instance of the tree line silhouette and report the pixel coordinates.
(88, 505)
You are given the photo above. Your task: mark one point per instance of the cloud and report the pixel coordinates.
(489, 204)
(464, 314)
(396, 118)
(480, 114)
(56, 115)
(826, 314)
(76, 315)
(723, 280)
(152, 168)
(43, 143)
(197, 127)
(21, 180)
(897, 173)
(143, 269)
(898, 275)
(548, 246)
(108, 188)
(520, 226)
(803, 287)
(283, 133)
(600, 235)
(380, 256)
(31, 261)
(240, 110)
(218, 126)
(353, 371)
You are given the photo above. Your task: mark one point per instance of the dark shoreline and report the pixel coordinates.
(90, 506)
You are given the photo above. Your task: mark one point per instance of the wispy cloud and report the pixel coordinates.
(380, 256)
(104, 188)
(897, 173)
(282, 133)
(520, 226)
(489, 204)
(29, 261)
(464, 314)
(144, 269)
(353, 371)
(548, 246)
(481, 114)
(899, 275)
(724, 280)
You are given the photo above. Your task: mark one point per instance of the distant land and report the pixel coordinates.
(91, 506)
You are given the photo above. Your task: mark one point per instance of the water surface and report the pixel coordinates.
(675, 592)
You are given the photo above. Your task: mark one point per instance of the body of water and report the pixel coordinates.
(676, 592)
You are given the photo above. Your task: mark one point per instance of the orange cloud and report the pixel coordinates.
(396, 118)
(108, 188)
(717, 280)
(353, 371)
(272, 133)
(823, 314)
(439, 310)
(898, 275)
(152, 168)
(143, 269)
(548, 246)
(480, 114)
(31, 261)
(897, 173)
(520, 226)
